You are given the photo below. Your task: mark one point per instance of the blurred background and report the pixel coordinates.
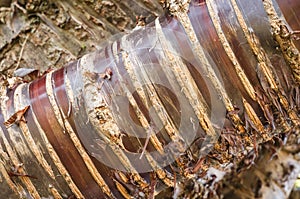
(43, 34)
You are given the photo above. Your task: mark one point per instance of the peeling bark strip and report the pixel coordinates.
(121, 122)
(16, 117)
(283, 36)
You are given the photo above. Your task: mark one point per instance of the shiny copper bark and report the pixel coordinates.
(224, 64)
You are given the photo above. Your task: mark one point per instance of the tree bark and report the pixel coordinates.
(205, 86)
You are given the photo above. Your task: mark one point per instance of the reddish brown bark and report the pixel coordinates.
(76, 142)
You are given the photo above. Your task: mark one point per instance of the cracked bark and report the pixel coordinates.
(237, 58)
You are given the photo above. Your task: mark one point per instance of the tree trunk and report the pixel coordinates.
(209, 88)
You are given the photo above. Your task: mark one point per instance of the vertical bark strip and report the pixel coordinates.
(284, 38)
(229, 51)
(104, 125)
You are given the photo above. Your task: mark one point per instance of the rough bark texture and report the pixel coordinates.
(218, 79)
